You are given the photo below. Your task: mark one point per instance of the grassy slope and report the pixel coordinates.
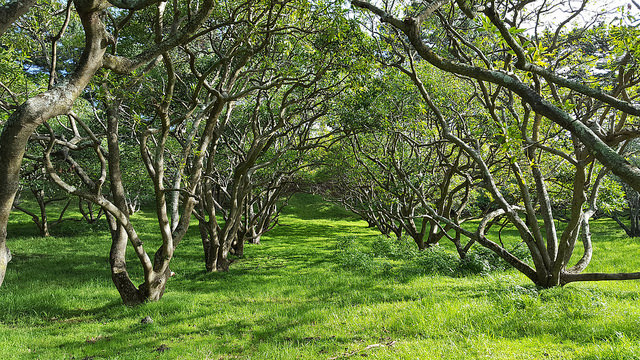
(289, 298)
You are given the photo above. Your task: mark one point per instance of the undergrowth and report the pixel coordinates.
(401, 257)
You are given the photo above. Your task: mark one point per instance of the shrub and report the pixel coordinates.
(483, 260)
(350, 257)
(394, 248)
(476, 263)
(436, 260)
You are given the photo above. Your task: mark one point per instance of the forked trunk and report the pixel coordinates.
(154, 286)
(128, 291)
(254, 238)
(155, 291)
(44, 222)
(215, 256)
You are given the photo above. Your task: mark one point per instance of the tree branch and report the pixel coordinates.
(125, 65)
(10, 12)
(566, 278)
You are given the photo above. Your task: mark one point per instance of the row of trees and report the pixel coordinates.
(218, 111)
(527, 117)
(425, 115)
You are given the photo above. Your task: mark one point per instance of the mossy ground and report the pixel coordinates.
(294, 297)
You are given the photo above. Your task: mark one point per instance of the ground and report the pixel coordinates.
(298, 296)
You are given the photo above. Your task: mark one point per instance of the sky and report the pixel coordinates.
(594, 7)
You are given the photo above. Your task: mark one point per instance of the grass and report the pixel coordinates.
(297, 297)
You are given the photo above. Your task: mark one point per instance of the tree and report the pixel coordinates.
(476, 65)
(60, 97)
(248, 54)
(276, 84)
(396, 172)
(44, 193)
(588, 125)
(631, 206)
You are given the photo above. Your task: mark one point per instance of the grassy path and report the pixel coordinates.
(293, 298)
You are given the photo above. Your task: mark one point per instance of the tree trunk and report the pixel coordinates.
(215, 254)
(43, 224)
(254, 238)
(174, 202)
(223, 259)
(154, 289)
(634, 231)
(238, 246)
(397, 230)
(5, 257)
(419, 240)
(209, 247)
(216, 243)
(633, 200)
(89, 214)
(128, 291)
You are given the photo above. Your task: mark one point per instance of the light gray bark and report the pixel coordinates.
(10, 12)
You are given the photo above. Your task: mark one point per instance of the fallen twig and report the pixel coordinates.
(368, 347)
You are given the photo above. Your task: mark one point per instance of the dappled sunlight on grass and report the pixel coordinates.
(292, 297)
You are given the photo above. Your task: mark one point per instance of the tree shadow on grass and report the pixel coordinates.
(279, 321)
(274, 295)
(190, 332)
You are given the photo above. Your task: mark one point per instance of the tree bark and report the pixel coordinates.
(209, 256)
(128, 291)
(566, 278)
(59, 100)
(238, 245)
(5, 257)
(44, 222)
(10, 12)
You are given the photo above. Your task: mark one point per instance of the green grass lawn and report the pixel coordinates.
(297, 296)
